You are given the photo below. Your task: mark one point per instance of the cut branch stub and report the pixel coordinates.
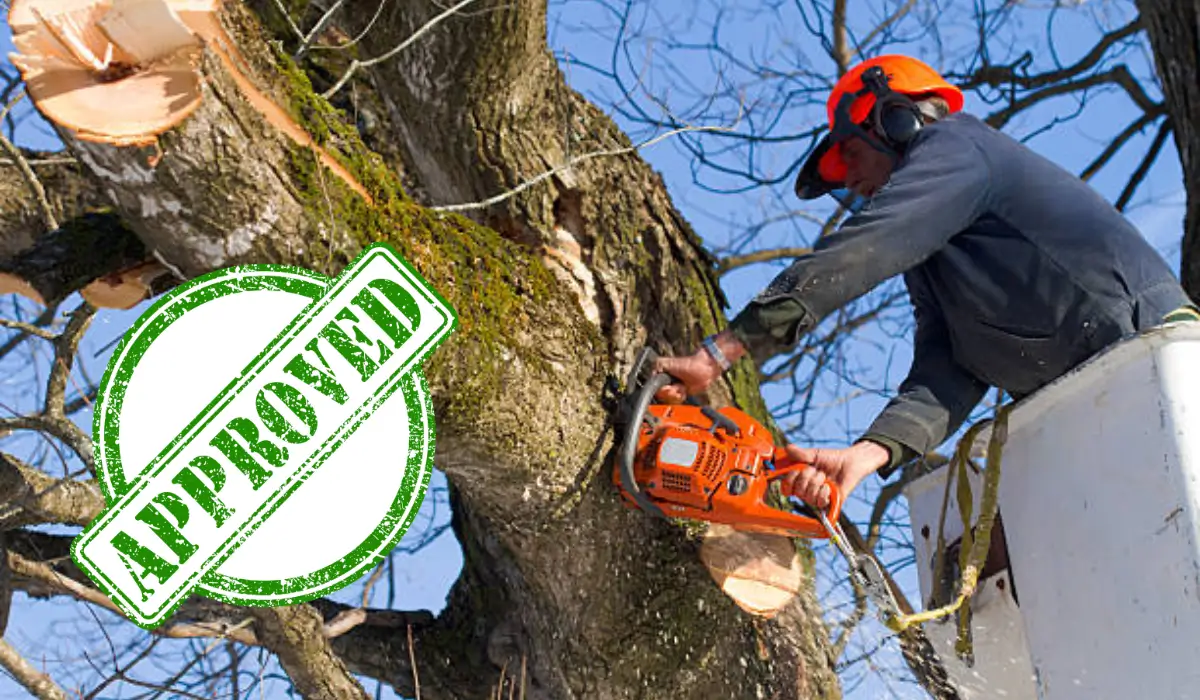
(94, 253)
(112, 71)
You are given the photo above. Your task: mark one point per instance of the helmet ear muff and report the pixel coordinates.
(898, 120)
(894, 117)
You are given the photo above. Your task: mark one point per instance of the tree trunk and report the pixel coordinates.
(556, 288)
(1174, 30)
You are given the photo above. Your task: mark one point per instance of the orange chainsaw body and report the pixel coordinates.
(691, 466)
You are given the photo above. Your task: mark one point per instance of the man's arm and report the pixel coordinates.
(936, 397)
(940, 188)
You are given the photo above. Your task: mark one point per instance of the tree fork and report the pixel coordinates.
(600, 602)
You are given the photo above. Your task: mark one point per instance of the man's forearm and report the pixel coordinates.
(766, 328)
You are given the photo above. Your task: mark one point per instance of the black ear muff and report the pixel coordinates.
(898, 120)
(894, 117)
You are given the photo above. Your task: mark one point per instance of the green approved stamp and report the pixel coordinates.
(263, 435)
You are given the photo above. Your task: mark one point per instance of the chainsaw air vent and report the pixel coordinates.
(711, 464)
(676, 481)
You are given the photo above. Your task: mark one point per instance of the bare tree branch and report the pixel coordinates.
(317, 29)
(733, 262)
(295, 634)
(36, 682)
(841, 53)
(1144, 167)
(1012, 74)
(1106, 155)
(882, 26)
(29, 329)
(65, 348)
(29, 496)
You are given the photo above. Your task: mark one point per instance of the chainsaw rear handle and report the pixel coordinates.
(785, 464)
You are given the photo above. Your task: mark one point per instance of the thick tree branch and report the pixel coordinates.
(41, 568)
(295, 634)
(30, 496)
(1173, 27)
(62, 428)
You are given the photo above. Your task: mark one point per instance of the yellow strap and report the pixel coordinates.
(1183, 313)
(974, 550)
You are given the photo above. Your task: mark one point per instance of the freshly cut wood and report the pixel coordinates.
(112, 71)
(124, 289)
(761, 573)
(148, 29)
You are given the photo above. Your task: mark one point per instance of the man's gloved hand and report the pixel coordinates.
(694, 373)
(845, 467)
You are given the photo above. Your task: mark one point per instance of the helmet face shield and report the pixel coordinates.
(860, 98)
(824, 170)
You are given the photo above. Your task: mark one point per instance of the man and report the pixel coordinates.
(1017, 270)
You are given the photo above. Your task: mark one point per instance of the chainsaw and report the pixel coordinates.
(693, 461)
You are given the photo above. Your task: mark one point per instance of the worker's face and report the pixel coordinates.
(867, 169)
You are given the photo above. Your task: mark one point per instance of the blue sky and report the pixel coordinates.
(50, 630)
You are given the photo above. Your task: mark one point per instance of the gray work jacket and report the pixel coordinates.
(1017, 271)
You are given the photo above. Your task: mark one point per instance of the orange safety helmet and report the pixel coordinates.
(854, 100)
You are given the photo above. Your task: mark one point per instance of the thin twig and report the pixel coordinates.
(291, 23)
(28, 328)
(570, 164)
(40, 161)
(412, 660)
(317, 29)
(356, 64)
(363, 33)
(733, 262)
(882, 26)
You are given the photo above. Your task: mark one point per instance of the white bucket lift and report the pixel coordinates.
(1100, 501)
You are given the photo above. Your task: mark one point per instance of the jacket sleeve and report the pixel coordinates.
(940, 187)
(936, 397)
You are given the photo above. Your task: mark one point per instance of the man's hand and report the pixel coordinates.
(845, 468)
(695, 372)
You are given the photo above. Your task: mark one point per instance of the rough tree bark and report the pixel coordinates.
(555, 288)
(1174, 30)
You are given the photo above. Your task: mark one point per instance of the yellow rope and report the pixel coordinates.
(974, 550)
